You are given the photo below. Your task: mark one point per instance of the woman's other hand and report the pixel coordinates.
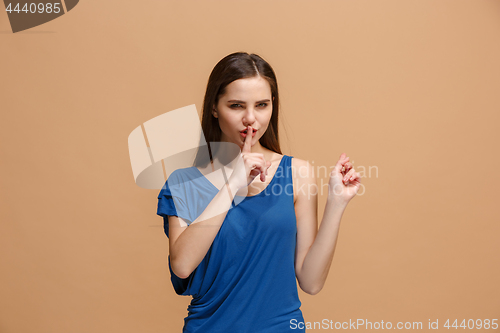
(344, 181)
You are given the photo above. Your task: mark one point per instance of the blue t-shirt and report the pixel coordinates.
(246, 281)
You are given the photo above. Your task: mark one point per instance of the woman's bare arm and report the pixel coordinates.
(189, 245)
(315, 248)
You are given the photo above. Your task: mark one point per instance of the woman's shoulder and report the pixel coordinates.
(276, 157)
(298, 163)
(301, 175)
(302, 169)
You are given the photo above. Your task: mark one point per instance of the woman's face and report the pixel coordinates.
(246, 102)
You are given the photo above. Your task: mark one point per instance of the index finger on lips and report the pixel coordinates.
(247, 146)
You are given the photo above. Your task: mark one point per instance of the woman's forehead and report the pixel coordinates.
(249, 88)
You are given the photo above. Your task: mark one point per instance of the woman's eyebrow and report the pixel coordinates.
(243, 102)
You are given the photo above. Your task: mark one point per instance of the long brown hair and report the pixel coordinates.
(238, 65)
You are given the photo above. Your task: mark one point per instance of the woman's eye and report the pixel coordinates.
(235, 105)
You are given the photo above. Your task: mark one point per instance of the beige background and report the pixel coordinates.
(409, 88)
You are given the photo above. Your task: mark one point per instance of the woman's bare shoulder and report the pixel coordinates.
(302, 174)
(299, 163)
(302, 170)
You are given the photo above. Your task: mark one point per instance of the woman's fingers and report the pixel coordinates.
(247, 146)
(344, 170)
(265, 168)
(347, 167)
(341, 163)
(257, 162)
(348, 175)
(351, 176)
(257, 165)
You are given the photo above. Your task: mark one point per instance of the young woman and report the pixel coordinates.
(240, 244)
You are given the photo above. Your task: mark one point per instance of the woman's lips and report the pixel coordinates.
(243, 134)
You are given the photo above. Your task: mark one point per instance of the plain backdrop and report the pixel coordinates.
(408, 89)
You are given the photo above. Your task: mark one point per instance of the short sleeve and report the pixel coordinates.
(172, 201)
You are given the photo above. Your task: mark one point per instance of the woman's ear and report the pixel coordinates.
(214, 112)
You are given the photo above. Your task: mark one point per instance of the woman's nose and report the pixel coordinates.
(249, 117)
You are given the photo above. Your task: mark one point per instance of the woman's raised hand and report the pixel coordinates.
(344, 181)
(254, 164)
